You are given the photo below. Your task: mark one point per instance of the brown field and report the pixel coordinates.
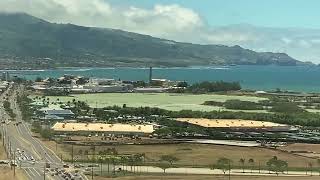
(7, 174)
(302, 147)
(2, 153)
(311, 150)
(193, 154)
(202, 177)
(226, 123)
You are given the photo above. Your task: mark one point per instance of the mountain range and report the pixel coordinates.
(30, 42)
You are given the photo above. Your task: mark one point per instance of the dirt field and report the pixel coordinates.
(226, 123)
(302, 147)
(194, 154)
(7, 174)
(2, 153)
(307, 150)
(202, 177)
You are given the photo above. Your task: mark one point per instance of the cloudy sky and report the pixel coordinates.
(290, 26)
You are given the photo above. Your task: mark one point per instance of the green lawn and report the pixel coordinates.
(167, 101)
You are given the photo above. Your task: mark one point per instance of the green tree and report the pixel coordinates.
(169, 158)
(164, 166)
(310, 167)
(46, 133)
(242, 162)
(276, 165)
(287, 107)
(251, 163)
(223, 164)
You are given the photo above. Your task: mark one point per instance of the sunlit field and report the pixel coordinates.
(167, 101)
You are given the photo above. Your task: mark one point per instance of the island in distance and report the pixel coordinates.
(27, 42)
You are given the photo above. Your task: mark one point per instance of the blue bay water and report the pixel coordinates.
(301, 78)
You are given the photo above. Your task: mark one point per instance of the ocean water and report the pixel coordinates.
(301, 78)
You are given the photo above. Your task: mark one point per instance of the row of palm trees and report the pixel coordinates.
(274, 164)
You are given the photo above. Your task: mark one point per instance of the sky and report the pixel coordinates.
(288, 26)
(270, 13)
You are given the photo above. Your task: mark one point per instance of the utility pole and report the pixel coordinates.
(10, 154)
(92, 173)
(3, 134)
(14, 163)
(101, 168)
(44, 171)
(72, 154)
(108, 166)
(229, 170)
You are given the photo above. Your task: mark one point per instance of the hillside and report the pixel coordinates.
(29, 42)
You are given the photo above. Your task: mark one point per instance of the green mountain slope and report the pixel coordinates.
(29, 42)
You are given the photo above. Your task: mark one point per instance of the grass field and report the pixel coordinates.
(167, 101)
(193, 154)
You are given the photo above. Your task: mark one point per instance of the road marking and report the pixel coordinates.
(36, 171)
(26, 170)
(30, 144)
(22, 141)
(40, 144)
(29, 169)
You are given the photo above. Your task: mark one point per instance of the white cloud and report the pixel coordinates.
(172, 22)
(168, 21)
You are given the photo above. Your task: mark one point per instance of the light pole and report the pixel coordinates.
(72, 154)
(14, 163)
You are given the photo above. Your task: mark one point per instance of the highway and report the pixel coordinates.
(29, 153)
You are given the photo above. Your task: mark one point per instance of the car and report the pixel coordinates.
(3, 162)
(87, 173)
(87, 169)
(47, 165)
(65, 166)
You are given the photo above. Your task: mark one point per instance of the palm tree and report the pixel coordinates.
(310, 165)
(124, 161)
(224, 164)
(251, 163)
(318, 162)
(242, 161)
(86, 152)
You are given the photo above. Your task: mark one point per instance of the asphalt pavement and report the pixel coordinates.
(25, 151)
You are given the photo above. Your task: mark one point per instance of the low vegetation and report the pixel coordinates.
(7, 107)
(23, 102)
(218, 86)
(236, 104)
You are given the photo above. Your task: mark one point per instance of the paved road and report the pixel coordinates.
(30, 154)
